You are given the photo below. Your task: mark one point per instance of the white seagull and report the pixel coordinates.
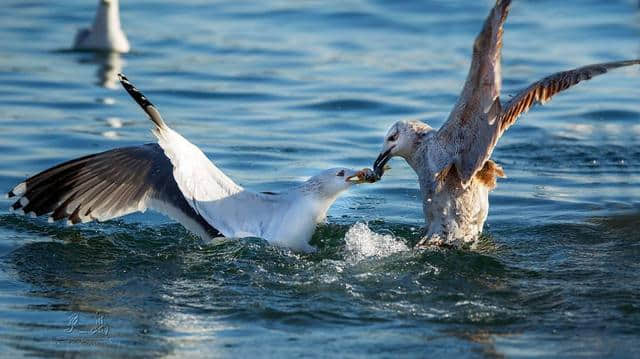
(452, 163)
(174, 177)
(106, 33)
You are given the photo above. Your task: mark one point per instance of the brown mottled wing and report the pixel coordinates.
(543, 90)
(467, 128)
(477, 139)
(484, 79)
(108, 185)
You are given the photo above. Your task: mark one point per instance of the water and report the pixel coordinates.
(275, 91)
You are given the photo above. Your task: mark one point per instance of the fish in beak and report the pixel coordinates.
(365, 175)
(380, 165)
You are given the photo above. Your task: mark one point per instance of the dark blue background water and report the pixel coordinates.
(275, 91)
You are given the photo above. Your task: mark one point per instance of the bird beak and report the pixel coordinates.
(380, 165)
(365, 175)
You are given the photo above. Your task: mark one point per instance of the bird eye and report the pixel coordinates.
(340, 174)
(393, 137)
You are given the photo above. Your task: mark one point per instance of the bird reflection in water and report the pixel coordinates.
(109, 66)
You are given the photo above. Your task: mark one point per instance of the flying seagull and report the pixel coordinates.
(174, 177)
(105, 34)
(453, 163)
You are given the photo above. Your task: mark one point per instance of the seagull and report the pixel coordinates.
(105, 34)
(453, 163)
(174, 177)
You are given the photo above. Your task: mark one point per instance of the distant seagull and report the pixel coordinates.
(452, 163)
(174, 177)
(105, 34)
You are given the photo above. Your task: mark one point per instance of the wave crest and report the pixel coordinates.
(363, 243)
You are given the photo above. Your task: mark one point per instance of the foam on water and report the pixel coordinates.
(362, 243)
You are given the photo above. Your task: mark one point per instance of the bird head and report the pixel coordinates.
(332, 182)
(401, 140)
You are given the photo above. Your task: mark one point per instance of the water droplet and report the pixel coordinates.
(362, 242)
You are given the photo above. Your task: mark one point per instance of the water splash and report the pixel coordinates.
(362, 243)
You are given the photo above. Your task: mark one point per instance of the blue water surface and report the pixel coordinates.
(274, 91)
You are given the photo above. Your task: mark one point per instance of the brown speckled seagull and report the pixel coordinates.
(453, 163)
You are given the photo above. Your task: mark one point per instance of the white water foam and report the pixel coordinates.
(364, 243)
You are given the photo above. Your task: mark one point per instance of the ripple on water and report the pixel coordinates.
(275, 91)
(617, 115)
(360, 105)
(198, 95)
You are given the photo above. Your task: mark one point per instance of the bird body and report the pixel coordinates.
(453, 163)
(174, 177)
(105, 34)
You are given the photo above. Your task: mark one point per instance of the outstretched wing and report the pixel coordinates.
(479, 94)
(207, 189)
(173, 177)
(478, 138)
(81, 36)
(484, 79)
(107, 185)
(542, 91)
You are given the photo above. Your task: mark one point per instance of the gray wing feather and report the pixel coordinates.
(108, 185)
(81, 36)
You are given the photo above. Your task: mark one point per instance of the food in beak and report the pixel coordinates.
(380, 165)
(365, 175)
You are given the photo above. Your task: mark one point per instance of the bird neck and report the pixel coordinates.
(322, 207)
(107, 17)
(415, 158)
(418, 133)
(317, 203)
